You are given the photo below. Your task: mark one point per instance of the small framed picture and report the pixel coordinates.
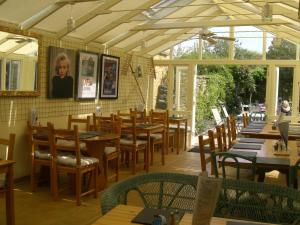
(109, 80)
(87, 75)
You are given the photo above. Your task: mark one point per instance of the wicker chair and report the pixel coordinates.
(238, 199)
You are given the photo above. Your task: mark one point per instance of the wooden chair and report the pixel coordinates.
(66, 152)
(83, 123)
(204, 157)
(141, 116)
(231, 131)
(221, 137)
(245, 119)
(6, 177)
(162, 117)
(129, 144)
(40, 152)
(110, 124)
(98, 121)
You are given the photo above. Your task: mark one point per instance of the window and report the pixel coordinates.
(12, 81)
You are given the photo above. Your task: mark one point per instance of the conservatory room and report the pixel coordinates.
(116, 112)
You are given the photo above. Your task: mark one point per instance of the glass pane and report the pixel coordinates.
(12, 74)
(160, 95)
(248, 43)
(180, 88)
(285, 89)
(281, 49)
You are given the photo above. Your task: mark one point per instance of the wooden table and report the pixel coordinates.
(178, 121)
(268, 133)
(6, 166)
(123, 214)
(267, 158)
(95, 148)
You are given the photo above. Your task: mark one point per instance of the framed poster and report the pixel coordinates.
(109, 80)
(87, 75)
(61, 72)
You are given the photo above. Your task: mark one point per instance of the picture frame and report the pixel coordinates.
(87, 75)
(109, 80)
(61, 72)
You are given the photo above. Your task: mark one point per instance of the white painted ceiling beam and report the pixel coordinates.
(118, 22)
(36, 18)
(102, 9)
(183, 25)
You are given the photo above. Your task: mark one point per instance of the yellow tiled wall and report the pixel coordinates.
(14, 111)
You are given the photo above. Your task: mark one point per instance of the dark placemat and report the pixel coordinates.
(90, 134)
(256, 126)
(273, 161)
(247, 146)
(143, 125)
(146, 216)
(250, 130)
(258, 122)
(241, 223)
(251, 140)
(244, 153)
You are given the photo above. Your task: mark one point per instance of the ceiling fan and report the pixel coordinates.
(211, 37)
(20, 40)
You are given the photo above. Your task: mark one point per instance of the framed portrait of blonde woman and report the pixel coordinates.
(61, 72)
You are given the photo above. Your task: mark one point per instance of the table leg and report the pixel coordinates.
(10, 210)
(185, 135)
(96, 149)
(148, 151)
(178, 137)
(163, 148)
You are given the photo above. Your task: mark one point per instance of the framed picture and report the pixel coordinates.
(61, 72)
(87, 75)
(109, 81)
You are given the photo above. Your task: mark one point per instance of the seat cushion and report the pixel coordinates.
(231, 173)
(109, 150)
(152, 136)
(70, 160)
(42, 154)
(126, 141)
(70, 143)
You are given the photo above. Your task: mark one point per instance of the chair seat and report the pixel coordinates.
(70, 160)
(109, 150)
(155, 137)
(42, 154)
(126, 141)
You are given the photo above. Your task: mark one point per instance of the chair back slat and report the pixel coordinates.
(8, 145)
(84, 123)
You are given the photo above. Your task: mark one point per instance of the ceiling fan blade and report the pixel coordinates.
(223, 38)
(211, 41)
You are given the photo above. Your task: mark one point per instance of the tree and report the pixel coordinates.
(286, 50)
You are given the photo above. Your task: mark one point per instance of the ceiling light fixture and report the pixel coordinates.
(267, 12)
(71, 20)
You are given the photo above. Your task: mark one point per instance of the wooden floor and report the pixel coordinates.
(39, 208)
